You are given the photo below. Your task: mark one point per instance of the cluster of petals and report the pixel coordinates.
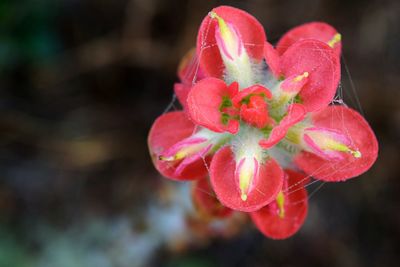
(257, 121)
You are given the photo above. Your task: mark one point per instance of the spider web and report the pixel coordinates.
(346, 90)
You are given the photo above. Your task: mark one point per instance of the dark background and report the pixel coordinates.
(81, 83)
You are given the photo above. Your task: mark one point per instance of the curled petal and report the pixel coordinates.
(273, 59)
(285, 216)
(192, 159)
(293, 84)
(249, 29)
(363, 141)
(314, 30)
(323, 67)
(168, 130)
(182, 91)
(189, 70)
(207, 102)
(206, 202)
(265, 186)
(295, 113)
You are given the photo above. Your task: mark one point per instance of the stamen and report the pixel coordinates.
(186, 147)
(166, 158)
(177, 156)
(280, 201)
(336, 39)
(287, 92)
(246, 172)
(334, 145)
(301, 77)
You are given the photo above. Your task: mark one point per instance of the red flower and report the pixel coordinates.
(249, 109)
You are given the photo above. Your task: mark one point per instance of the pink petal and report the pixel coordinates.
(314, 30)
(248, 27)
(357, 129)
(265, 189)
(204, 103)
(323, 66)
(166, 131)
(273, 59)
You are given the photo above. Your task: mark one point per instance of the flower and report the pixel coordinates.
(250, 110)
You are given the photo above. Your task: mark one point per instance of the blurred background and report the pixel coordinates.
(81, 83)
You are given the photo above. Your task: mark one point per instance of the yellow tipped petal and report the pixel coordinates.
(233, 52)
(336, 39)
(223, 27)
(325, 142)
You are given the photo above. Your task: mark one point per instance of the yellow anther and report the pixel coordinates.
(336, 39)
(180, 155)
(280, 201)
(301, 77)
(244, 182)
(177, 156)
(246, 172)
(356, 154)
